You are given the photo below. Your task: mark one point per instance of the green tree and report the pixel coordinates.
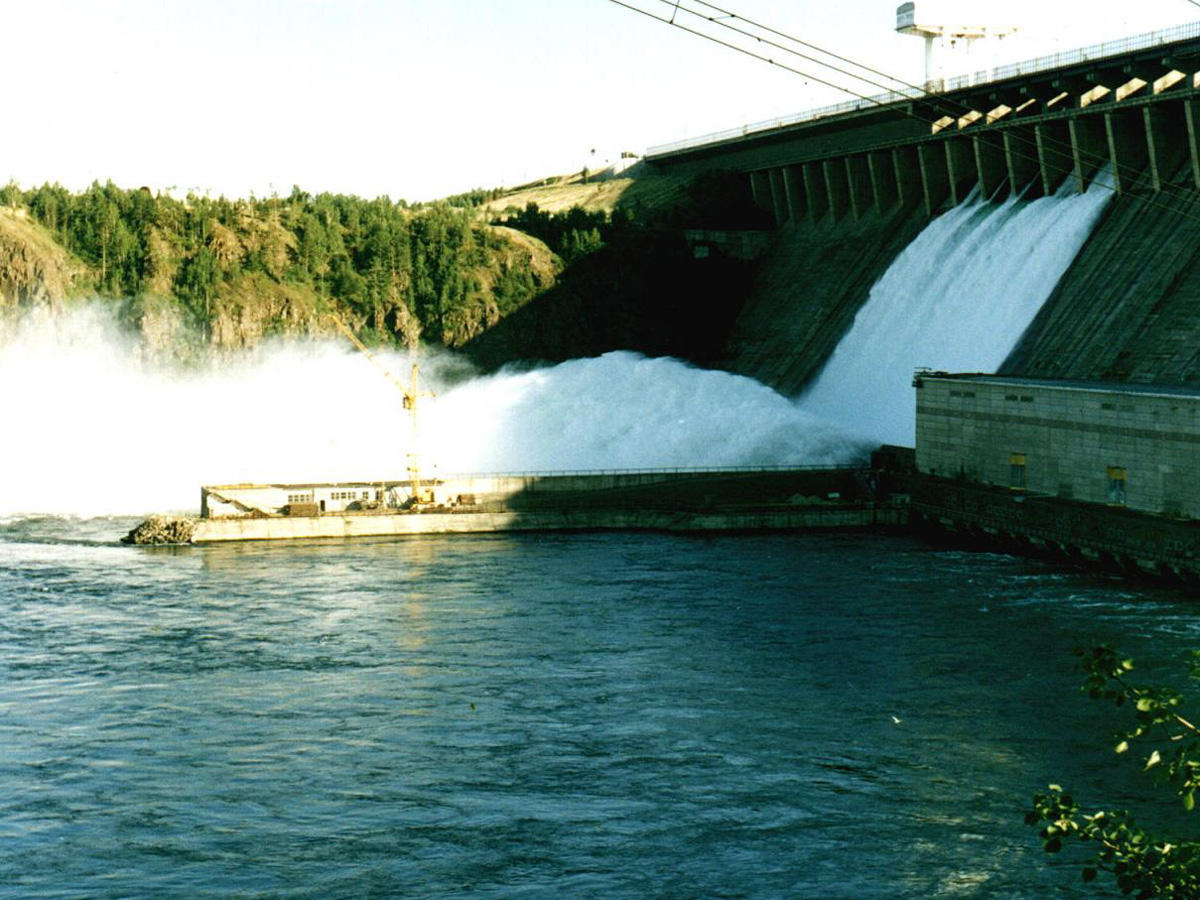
(50, 205)
(11, 195)
(1163, 736)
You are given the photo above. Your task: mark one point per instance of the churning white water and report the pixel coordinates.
(957, 299)
(90, 428)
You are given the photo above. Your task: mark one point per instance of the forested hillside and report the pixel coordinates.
(239, 269)
(203, 272)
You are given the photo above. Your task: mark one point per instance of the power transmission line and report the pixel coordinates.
(727, 14)
(743, 50)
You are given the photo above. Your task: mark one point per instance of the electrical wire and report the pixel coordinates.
(743, 50)
(676, 5)
(769, 30)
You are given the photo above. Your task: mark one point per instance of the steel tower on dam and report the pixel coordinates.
(1023, 127)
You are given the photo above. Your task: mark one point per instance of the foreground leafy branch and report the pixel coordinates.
(1168, 743)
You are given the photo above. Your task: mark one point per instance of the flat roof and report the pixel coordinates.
(1068, 384)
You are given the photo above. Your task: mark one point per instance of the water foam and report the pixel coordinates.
(957, 299)
(93, 428)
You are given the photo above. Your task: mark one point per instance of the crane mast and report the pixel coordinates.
(412, 393)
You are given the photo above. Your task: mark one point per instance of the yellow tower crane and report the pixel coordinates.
(412, 393)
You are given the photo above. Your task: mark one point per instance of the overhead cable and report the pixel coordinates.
(932, 100)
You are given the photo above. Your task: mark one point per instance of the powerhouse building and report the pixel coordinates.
(1122, 445)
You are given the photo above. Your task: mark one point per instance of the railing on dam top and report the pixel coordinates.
(972, 79)
(658, 470)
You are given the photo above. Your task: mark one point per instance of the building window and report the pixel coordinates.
(1016, 471)
(1116, 486)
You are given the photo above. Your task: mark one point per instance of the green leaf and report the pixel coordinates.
(1189, 800)
(1122, 747)
(1154, 760)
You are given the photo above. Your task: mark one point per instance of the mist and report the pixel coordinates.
(95, 428)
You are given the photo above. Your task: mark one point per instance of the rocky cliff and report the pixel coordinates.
(34, 268)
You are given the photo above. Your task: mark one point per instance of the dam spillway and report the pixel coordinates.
(855, 194)
(957, 299)
(848, 189)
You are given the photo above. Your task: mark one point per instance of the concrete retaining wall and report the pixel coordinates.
(344, 526)
(1086, 534)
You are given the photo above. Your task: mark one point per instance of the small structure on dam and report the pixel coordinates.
(927, 22)
(1102, 471)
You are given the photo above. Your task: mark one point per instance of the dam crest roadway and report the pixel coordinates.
(1018, 129)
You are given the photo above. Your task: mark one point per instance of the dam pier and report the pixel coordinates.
(717, 500)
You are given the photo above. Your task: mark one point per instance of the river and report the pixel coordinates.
(586, 715)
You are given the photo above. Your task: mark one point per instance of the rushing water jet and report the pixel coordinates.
(95, 429)
(958, 298)
(98, 430)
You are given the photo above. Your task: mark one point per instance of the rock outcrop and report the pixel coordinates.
(34, 268)
(162, 530)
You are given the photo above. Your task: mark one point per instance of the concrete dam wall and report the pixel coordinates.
(808, 290)
(850, 192)
(1128, 309)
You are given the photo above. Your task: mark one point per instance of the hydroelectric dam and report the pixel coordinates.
(1039, 222)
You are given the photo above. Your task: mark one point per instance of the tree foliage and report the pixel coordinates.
(436, 270)
(1161, 734)
(573, 234)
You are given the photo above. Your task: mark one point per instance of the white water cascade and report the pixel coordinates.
(957, 299)
(93, 429)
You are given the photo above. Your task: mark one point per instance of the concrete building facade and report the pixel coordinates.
(1123, 445)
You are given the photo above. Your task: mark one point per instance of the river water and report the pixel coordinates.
(595, 715)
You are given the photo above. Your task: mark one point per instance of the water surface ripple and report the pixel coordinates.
(531, 716)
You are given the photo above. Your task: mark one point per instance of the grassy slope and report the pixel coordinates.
(600, 193)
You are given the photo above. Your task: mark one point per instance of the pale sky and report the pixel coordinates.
(423, 99)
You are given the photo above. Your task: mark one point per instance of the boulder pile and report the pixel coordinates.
(162, 530)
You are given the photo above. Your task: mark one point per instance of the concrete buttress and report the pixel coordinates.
(935, 177)
(1127, 150)
(838, 186)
